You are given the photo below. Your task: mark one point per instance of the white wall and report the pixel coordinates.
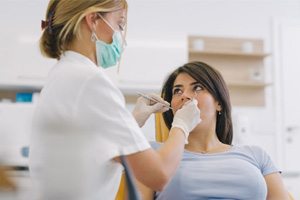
(155, 26)
(158, 26)
(151, 20)
(163, 20)
(20, 22)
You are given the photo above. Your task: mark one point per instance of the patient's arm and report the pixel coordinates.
(276, 189)
(146, 193)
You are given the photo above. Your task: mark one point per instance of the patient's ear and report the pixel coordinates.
(218, 106)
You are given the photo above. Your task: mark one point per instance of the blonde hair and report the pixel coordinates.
(63, 19)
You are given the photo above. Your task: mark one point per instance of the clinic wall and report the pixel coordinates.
(157, 31)
(156, 20)
(20, 59)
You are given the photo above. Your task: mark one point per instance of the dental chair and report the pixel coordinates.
(161, 134)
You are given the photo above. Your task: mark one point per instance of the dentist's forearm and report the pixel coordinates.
(155, 168)
(172, 150)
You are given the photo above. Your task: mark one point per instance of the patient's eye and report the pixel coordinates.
(197, 88)
(177, 92)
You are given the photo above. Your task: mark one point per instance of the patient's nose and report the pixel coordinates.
(185, 98)
(188, 95)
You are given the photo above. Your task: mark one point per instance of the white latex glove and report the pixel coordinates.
(187, 118)
(144, 108)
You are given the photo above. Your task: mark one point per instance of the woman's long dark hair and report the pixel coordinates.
(214, 83)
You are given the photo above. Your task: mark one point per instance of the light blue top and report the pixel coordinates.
(235, 174)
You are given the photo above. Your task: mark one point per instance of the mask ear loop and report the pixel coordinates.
(123, 35)
(108, 24)
(124, 44)
(94, 37)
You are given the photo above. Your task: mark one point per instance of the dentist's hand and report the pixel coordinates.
(144, 108)
(187, 118)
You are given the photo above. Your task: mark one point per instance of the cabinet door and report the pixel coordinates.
(290, 63)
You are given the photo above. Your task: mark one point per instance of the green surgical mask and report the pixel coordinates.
(108, 55)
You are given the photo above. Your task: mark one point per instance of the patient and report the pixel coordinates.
(211, 167)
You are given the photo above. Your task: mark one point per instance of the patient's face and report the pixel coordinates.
(185, 87)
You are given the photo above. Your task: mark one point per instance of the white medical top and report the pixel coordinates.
(79, 125)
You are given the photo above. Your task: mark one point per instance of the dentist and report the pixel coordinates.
(81, 126)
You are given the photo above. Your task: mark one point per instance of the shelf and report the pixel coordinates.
(21, 86)
(249, 84)
(241, 61)
(8, 89)
(228, 53)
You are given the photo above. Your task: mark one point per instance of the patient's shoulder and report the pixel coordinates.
(252, 149)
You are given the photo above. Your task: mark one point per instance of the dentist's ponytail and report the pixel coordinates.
(63, 20)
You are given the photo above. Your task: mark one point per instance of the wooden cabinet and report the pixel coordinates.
(13, 91)
(241, 62)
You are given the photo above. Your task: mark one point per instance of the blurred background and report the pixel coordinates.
(254, 43)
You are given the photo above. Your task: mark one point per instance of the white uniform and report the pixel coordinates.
(80, 124)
